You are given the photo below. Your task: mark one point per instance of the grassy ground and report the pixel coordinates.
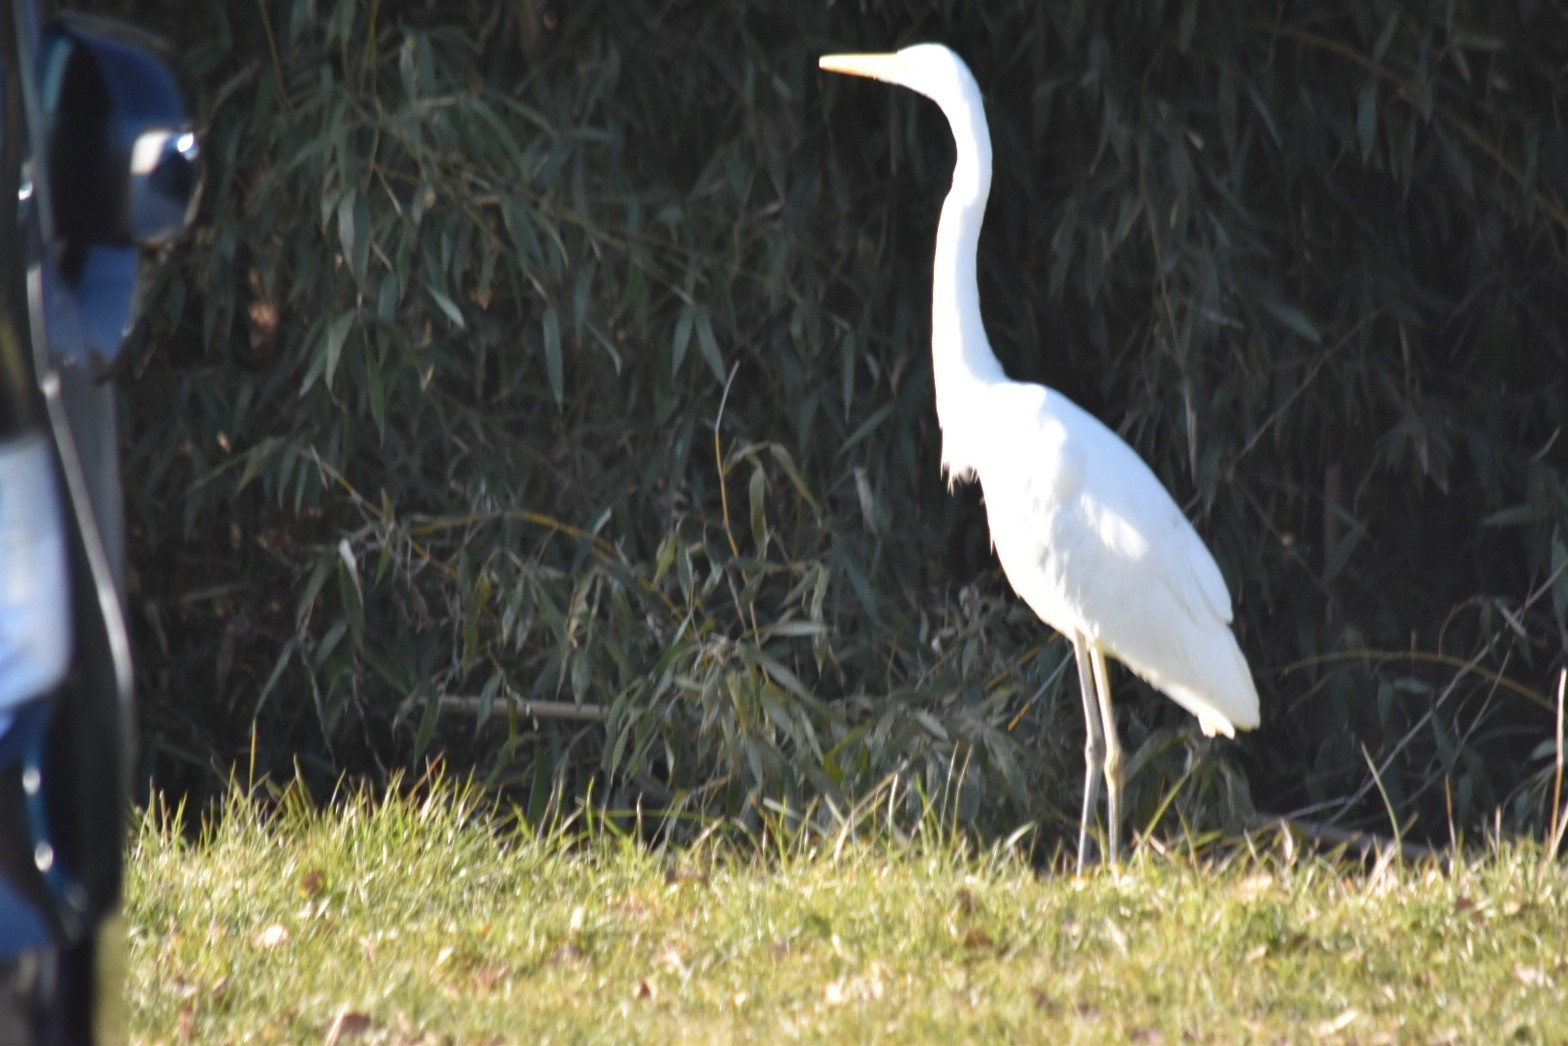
(417, 920)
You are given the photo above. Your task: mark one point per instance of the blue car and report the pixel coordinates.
(99, 160)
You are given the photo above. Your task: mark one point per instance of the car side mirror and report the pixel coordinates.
(120, 171)
(122, 152)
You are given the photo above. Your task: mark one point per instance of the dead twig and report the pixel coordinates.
(1325, 835)
(557, 710)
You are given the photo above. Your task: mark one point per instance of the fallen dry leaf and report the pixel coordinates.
(348, 1025)
(1256, 885)
(635, 906)
(1044, 1000)
(563, 954)
(274, 936)
(978, 939)
(1338, 1024)
(868, 986)
(490, 976)
(1532, 976)
(683, 874)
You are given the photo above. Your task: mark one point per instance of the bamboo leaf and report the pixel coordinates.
(1293, 318)
(336, 335)
(757, 493)
(447, 306)
(553, 364)
(682, 338)
(709, 345)
(1366, 118)
(1385, 38)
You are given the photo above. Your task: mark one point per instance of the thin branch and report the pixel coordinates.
(1466, 667)
(1559, 813)
(718, 459)
(554, 710)
(1325, 835)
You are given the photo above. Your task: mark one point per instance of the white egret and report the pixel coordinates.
(1085, 532)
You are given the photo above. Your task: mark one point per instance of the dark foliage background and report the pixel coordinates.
(430, 417)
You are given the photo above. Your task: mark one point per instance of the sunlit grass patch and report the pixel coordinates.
(432, 916)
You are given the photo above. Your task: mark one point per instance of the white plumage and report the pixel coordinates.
(1086, 533)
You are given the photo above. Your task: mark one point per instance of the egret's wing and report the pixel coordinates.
(1202, 575)
(1095, 544)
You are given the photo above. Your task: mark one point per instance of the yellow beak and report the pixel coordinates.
(876, 66)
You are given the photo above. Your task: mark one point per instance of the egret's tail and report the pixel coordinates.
(1229, 699)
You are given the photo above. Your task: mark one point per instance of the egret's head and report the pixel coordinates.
(930, 69)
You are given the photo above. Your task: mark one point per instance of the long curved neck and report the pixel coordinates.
(961, 354)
